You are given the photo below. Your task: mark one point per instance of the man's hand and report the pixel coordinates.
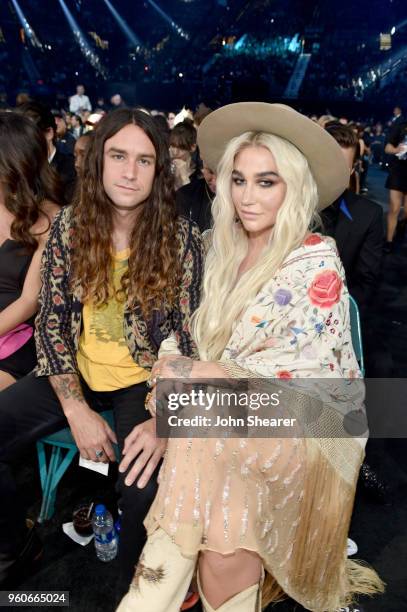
(143, 446)
(91, 434)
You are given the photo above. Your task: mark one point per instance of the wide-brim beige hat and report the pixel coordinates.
(323, 153)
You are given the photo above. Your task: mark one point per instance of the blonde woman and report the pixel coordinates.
(261, 518)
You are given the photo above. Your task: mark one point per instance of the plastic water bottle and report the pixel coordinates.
(105, 535)
(118, 525)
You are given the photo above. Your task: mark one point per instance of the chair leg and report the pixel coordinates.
(48, 502)
(51, 476)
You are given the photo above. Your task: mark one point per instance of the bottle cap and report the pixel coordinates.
(100, 509)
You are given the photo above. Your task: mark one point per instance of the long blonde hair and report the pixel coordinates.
(223, 298)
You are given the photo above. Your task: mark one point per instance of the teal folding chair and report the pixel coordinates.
(63, 450)
(356, 331)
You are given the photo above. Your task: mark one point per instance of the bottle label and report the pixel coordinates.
(105, 538)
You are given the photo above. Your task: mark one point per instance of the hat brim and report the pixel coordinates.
(324, 156)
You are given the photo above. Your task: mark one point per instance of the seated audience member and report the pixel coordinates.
(101, 105)
(81, 146)
(170, 119)
(84, 115)
(76, 126)
(356, 223)
(62, 163)
(194, 200)
(121, 272)
(182, 150)
(201, 112)
(29, 193)
(117, 101)
(65, 141)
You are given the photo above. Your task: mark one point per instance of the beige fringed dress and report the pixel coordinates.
(290, 500)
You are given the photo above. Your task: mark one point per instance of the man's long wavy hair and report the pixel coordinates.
(153, 271)
(26, 177)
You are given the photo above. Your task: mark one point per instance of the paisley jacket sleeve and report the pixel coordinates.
(56, 351)
(190, 289)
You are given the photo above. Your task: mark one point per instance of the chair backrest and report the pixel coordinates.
(356, 331)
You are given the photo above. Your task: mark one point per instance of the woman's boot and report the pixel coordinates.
(161, 579)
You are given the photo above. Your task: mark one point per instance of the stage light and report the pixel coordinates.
(84, 46)
(168, 19)
(180, 74)
(27, 28)
(127, 31)
(393, 31)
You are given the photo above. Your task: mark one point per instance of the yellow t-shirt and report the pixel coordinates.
(104, 359)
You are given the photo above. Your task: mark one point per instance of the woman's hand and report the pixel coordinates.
(171, 366)
(178, 366)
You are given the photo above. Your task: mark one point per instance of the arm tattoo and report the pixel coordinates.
(181, 366)
(67, 386)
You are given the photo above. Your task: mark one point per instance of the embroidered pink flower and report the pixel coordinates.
(284, 374)
(325, 290)
(312, 239)
(57, 300)
(59, 348)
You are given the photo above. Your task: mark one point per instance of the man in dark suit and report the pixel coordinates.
(356, 223)
(397, 115)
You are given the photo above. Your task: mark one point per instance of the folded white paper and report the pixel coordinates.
(69, 529)
(96, 466)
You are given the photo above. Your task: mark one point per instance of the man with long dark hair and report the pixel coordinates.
(121, 273)
(61, 161)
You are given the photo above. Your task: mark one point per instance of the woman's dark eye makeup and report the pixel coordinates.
(262, 182)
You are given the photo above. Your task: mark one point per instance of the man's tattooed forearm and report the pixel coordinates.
(182, 366)
(67, 387)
